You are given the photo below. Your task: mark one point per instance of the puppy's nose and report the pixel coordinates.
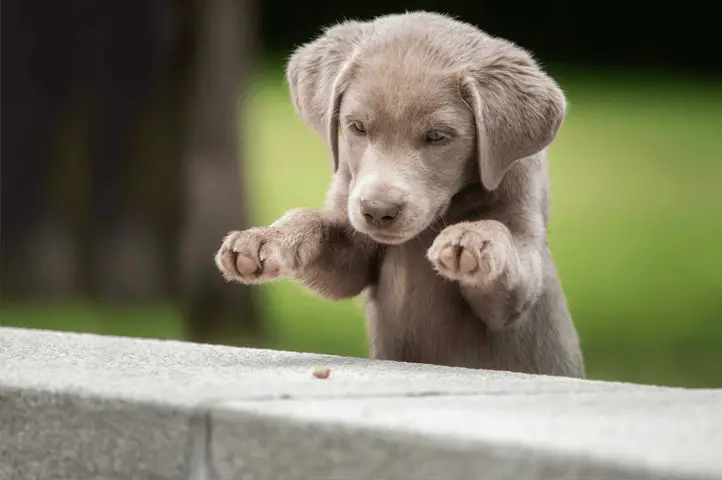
(379, 213)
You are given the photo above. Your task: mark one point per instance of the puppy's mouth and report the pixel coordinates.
(388, 236)
(401, 236)
(388, 239)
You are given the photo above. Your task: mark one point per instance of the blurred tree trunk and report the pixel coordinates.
(80, 76)
(212, 174)
(37, 253)
(144, 182)
(126, 63)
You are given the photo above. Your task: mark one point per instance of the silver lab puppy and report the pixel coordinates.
(439, 201)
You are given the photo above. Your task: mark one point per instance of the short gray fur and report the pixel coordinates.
(76, 406)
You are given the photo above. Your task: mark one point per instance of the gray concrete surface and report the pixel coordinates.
(78, 407)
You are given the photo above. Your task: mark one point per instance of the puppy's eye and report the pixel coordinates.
(358, 127)
(434, 136)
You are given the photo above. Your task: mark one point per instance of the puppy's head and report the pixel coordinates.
(415, 106)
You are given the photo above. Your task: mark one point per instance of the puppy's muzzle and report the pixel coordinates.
(380, 213)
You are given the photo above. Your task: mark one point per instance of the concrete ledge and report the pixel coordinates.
(76, 406)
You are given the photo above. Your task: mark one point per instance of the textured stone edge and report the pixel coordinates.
(54, 435)
(289, 448)
(78, 433)
(57, 436)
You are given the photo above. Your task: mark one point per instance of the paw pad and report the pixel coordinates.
(458, 259)
(246, 266)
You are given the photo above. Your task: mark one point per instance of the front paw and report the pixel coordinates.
(475, 253)
(263, 254)
(253, 256)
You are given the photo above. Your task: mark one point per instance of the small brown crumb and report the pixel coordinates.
(322, 372)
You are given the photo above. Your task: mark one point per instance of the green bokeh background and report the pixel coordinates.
(636, 229)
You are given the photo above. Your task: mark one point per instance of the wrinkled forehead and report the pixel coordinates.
(388, 94)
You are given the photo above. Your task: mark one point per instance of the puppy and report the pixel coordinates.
(439, 201)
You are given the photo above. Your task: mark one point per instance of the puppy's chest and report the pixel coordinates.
(409, 292)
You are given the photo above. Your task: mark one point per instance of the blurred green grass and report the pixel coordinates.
(636, 229)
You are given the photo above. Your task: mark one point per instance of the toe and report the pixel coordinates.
(448, 258)
(228, 264)
(467, 262)
(245, 266)
(271, 269)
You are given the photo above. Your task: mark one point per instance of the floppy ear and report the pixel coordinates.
(518, 109)
(317, 75)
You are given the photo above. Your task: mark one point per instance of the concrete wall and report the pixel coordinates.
(78, 407)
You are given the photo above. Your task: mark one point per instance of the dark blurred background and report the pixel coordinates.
(135, 134)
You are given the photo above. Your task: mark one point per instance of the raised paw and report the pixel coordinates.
(472, 252)
(253, 256)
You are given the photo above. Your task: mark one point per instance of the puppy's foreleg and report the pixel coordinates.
(500, 272)
(317, 248)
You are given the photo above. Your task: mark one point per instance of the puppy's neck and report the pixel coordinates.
(471, 203)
